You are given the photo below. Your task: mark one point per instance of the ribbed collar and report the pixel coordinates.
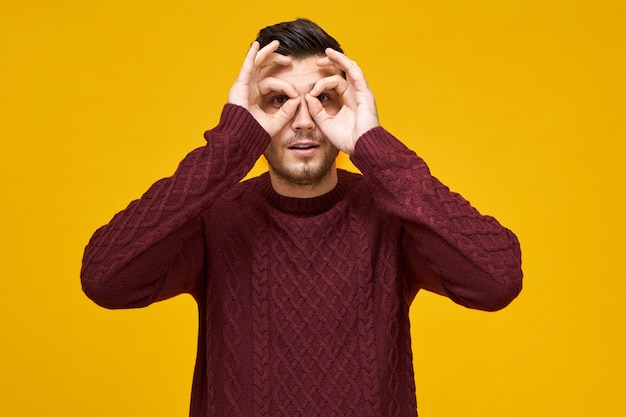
(306, 206)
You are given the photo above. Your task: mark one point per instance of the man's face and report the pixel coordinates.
(300, 154)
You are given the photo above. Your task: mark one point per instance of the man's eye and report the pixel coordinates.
(280, 100)
(323, 98)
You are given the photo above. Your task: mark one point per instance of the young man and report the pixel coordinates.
(304, 275)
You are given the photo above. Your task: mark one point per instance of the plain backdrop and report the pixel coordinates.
(517, 104)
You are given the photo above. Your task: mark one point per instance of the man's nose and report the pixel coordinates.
(302, 120)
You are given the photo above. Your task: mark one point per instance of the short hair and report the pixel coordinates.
(300, 38)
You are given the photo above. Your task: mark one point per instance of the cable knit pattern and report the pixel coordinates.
(202, 176)
(314, 319)
(405, 188)
(366, 324)
(303, 302)
(260, 314)
(231, 334)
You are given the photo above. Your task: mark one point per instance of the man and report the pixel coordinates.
(304, 275)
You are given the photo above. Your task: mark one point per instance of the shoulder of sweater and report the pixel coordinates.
(245, 189)
(352, 179)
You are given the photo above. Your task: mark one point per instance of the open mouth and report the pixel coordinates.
(304, 146)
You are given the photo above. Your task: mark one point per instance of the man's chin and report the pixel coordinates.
(304, 173)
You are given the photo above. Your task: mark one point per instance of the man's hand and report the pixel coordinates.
(250, 86)
(358, 114)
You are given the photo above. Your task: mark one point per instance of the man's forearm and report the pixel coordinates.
(476, 261)
(168, 207)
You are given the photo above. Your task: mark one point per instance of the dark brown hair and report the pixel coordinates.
(300, 38)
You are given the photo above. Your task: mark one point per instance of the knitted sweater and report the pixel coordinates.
(303, 303)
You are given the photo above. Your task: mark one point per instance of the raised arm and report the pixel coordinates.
(449, 247)
(154, 249)
(142, 254)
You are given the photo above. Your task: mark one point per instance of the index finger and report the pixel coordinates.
(268, 52)
(345, 64)
(248, 62)
(257, 57)
(270, 84)
(334, 82)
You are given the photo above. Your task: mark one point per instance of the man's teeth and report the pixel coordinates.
(303, 146)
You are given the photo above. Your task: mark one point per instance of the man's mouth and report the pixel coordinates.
(304, 149)
(303, 146)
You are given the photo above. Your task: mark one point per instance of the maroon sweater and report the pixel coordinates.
(303, 303)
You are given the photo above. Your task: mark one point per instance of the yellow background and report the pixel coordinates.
(518, 105)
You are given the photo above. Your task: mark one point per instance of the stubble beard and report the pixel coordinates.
(307, 172)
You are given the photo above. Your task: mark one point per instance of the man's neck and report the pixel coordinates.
(288, 188)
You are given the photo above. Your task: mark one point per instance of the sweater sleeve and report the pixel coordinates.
(449, 247)
(154, 249)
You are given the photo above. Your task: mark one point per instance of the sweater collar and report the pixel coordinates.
(306, 206)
